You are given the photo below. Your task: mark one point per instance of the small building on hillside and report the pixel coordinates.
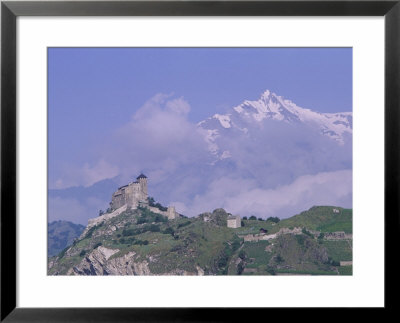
(234, 221)
(171, 213)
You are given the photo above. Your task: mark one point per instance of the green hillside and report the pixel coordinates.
(322, 218)
(142, 242)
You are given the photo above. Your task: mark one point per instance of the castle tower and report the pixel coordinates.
(142, 179)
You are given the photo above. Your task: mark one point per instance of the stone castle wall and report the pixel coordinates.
(338, 235)
(170, 213)
(131, 195)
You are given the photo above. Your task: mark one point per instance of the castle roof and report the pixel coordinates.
(141, 176)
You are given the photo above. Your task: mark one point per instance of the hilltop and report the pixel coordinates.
(141, 242)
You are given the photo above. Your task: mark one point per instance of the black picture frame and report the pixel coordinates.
(10, 10)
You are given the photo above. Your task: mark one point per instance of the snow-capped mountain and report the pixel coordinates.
(268, 157)
(271, 107)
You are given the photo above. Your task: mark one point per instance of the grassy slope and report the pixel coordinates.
(180, 244)
(184, 244)
(298, 259)
(321, 218)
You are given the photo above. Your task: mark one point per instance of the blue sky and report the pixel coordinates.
(115, 112)
(93, 91)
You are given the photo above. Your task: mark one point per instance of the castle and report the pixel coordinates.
(131, 196)
(134, 195)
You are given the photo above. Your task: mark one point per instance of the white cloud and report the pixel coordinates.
(179, 106)
(87, 174)
(244, 197)
(160, 141)
(70, 209)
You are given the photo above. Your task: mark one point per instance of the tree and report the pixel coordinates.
(273, 219)
(101, 212)
(260, 219)
(169, 230)
(279, 259)
(253, 217)
(245, 218)
(151, 201)
(242, 223)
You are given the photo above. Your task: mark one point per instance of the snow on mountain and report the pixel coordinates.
(250, 114)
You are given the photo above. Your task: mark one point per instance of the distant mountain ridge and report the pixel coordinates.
(271, 106)
(61, 234)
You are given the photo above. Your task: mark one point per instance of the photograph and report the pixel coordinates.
(171, 161)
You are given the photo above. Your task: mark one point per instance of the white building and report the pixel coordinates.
(234, 221)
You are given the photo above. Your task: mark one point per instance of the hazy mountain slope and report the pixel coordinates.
(61, 234)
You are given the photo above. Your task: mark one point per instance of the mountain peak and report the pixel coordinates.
(271, 106)
(266, 95)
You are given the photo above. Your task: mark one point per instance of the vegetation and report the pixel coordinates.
(346, 270)
(153, 203)
(187, 244)
(339, 250)
(322, 218)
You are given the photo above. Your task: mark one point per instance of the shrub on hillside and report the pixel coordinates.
(98, 244)
(235, 244)
(300, 239)
(306, 232)
(160, 218)
(271, 270)
(153, 228)
(273, 219)
(184, 224)
(141, 242)
(279, 259)
(128, 232)
(169, 230)
(240, 268)
(62, 252)
(141, 220)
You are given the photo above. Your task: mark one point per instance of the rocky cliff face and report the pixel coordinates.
(98, 262)
(141, 242)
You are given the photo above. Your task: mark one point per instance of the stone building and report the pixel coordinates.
(132, 195)
(135, 194)
(234, 221)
